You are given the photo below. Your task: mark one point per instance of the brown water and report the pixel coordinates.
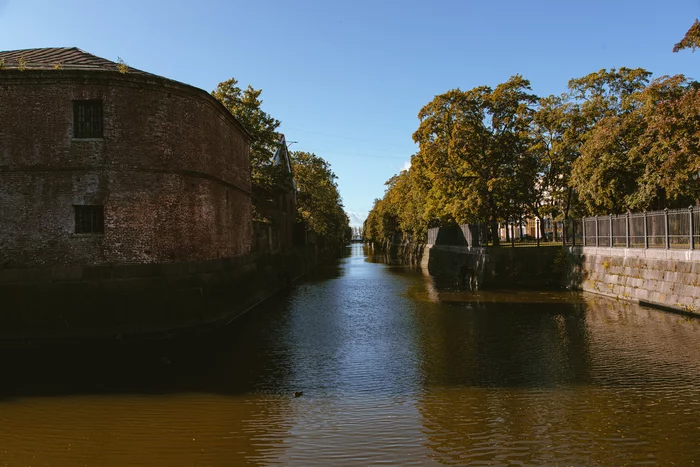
(395, 369)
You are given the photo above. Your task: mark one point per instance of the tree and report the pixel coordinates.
(670, 145)
(245, 105)
(475, 146)
(691, 40)
(555, 128)
(604, 173)
(319, 204)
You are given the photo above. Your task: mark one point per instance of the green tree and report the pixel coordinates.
(691, 40)
(475, 145)
(245, 105)
(555, 127)
(319, 204)
(670, 145)
(605, 172)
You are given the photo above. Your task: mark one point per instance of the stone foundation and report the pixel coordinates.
(490, 268)
(121, 300)
(662, 278)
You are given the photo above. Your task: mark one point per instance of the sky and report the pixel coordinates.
(347, 79)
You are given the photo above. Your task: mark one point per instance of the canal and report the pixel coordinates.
(370, 363)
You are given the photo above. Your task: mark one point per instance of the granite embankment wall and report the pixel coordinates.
(489, 268)
(662, 278)
(132, 299)
(668, 279)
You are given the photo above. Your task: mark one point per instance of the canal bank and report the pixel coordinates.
(665, 279)
(662, 278)
(494, 268)
(144, 299)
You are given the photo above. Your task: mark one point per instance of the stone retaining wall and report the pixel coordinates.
(109, 301)
(665, 278)
(526, 267)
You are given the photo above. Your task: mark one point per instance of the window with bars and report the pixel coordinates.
(89, 219)
(87, 119)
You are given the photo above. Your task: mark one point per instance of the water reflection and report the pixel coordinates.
(395, 368)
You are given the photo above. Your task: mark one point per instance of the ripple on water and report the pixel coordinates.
(394, 369)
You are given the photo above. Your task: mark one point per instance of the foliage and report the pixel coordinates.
(691, 40)
(670, 145)
(319, 204)
(605, 171)
(245, 105)
(122, 67)
(614, 142)
(476, 146)
(555, 146)
(21, 63)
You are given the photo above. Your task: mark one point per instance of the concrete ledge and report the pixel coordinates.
(651, 253)
(648, 303)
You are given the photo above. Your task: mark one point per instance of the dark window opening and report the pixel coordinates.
(89, 219)
(87, 119)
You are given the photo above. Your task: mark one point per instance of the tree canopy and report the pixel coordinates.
(616, 141)
(691, 40)
(245, 105)
(319, 204)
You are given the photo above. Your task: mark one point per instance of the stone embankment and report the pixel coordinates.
(668, 279)
(490, 268)
(138, 299)
(657, 277)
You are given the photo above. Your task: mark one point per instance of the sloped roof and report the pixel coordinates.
(72, 58)
(69, 58)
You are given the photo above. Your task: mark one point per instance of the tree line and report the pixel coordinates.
(318, 201)
(617, 140)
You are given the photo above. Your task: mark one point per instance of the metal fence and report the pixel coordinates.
(667, 229)
(521, 234)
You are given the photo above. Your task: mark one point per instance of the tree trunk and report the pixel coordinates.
(494, 232)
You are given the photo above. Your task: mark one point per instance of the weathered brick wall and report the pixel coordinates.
(172, 172)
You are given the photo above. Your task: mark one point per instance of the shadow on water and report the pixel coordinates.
(230, 359)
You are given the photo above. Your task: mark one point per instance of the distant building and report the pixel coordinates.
(104, 165)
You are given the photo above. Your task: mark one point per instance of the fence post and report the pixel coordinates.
(668, 241)
(692, 228)
(512, 235)
(583, 229)
(596, 230)
(538, 229)
(627, 230)
(573, 232)
(610, 231)
(646, 237)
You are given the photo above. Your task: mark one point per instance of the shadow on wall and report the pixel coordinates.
(492, 268)
(570, 264)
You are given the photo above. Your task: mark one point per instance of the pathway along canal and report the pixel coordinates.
(394, 369)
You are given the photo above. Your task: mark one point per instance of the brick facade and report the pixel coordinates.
(172, 171)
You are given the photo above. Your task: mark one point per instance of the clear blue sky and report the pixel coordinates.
(347, 79)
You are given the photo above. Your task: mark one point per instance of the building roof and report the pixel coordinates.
(74, 59)
(69, 58)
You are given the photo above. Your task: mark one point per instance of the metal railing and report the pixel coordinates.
(521, 234)
(667, 229)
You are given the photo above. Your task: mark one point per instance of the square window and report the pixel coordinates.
(89, 219)
(87, 119)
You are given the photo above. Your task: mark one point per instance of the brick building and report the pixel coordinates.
(100, 165)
